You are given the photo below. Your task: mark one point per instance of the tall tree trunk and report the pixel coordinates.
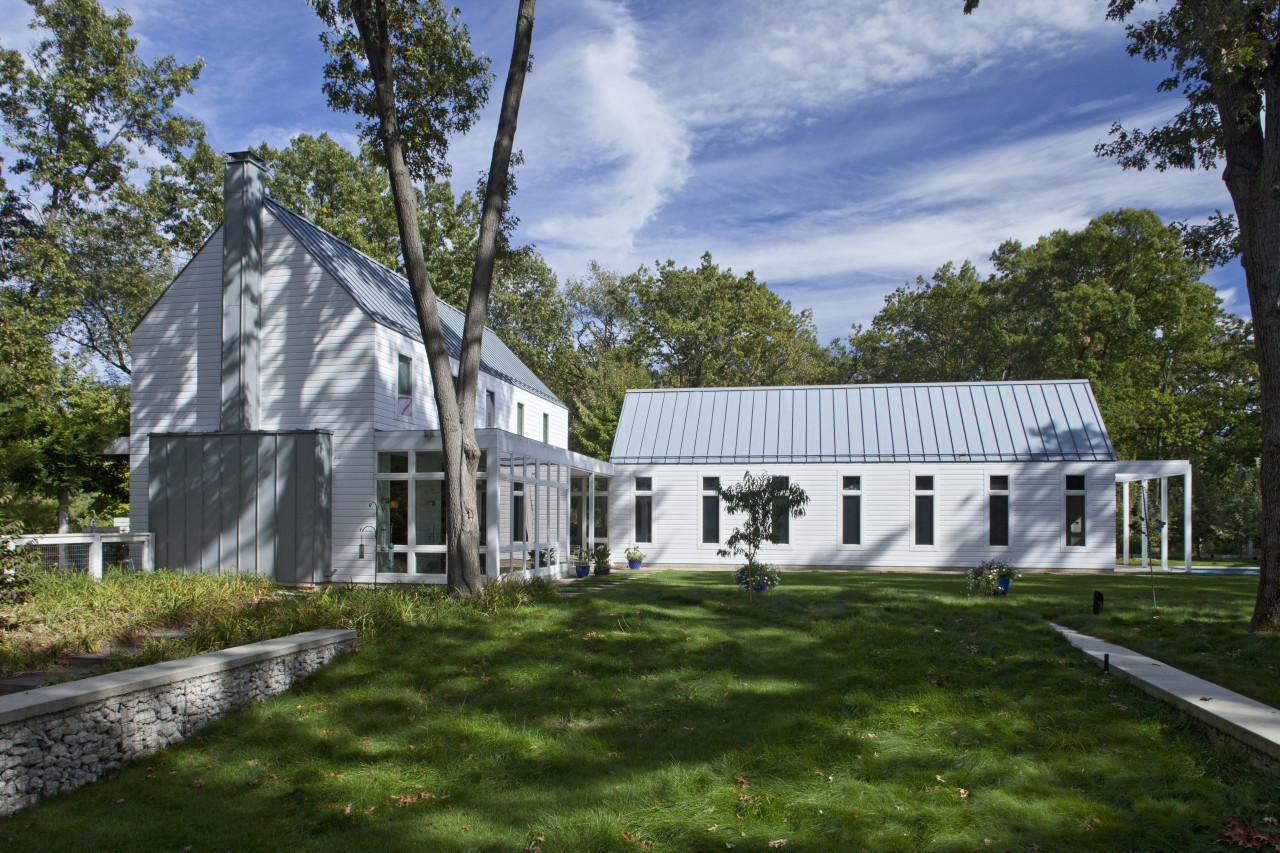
(454, 405)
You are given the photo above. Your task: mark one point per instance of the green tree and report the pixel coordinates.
(765, 502)
(407, 68)
(1225, 58)
(742, 333)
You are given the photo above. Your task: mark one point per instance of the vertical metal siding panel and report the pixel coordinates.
(702, 432)
(1073, 442)
(732, 410)
(1018, 430)
(324, 507)
(247, 458)
(999, 424)
(924, 424)
(912, 438)
(1049, 419)
(884, 422)
(969, 422)
(951, 417)
(157, 505)
(229, 499)
(827, 418)
(759, 417)
(176, 490)
(1076, 402)
(287, 509)
(193, 502)
(895, 409)
(211, 514)
(652, 434)
(719, 423)
(1089, 411)
(304, 491)
(265, 500)
(626, 420)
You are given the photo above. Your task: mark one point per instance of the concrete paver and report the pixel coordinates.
(1252, 723)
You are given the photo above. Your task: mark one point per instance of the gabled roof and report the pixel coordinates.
(952, 422)
(384, 295)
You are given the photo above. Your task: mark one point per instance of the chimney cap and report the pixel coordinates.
(246, 157)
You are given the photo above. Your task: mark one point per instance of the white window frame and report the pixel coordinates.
(911, 497)
(841, 492)
(720, 526)
(401, 411)
(546, 428)
(636, 494)
(1063, 493)
(519, 418)
(987, 474)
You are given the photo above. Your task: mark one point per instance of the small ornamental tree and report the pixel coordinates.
(766, 501)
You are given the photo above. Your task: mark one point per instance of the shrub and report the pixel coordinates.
(984, 577)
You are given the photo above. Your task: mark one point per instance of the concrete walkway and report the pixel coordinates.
(1243, 719)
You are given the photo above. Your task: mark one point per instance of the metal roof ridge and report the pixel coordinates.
(976, 383)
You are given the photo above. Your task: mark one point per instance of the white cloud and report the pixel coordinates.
(610, 139)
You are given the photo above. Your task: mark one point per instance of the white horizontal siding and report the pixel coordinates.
(177, 366)
(391, 344)
(317, 373)
(1036, 525)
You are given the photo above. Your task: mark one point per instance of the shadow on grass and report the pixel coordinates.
(838, 712)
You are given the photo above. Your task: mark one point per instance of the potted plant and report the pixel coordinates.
(991, 577)
(756, 577)
(582, 562)
(635, 557)
(601, 558)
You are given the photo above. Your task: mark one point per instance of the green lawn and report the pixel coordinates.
(839, 712)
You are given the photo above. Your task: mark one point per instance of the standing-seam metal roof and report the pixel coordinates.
(384, 295)
(935, 422)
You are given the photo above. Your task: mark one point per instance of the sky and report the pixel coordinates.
(837, 148)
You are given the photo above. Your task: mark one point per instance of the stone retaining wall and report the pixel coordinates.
(60, 737)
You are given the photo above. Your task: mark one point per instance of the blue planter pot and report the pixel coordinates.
(582, 571)
(762, 585)
(602, 570)
(1002, 586)
(634, 564)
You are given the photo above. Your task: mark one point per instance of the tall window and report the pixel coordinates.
(851, 510)
(998, 507)
(924, 510)
(781, 534)
(644, 509)
(490, 409)
(1075, 510)
(711, 510)
(519, 533)
(404, 387)
(519, 418)
(546, 428)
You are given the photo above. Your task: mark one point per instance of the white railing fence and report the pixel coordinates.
(86, 551)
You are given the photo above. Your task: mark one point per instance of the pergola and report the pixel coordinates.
(1143, 472)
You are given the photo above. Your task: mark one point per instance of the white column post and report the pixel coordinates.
(1146, 526)
(1186, 519)
(95, 556)
(1164, 523)
(1124, 490)
(589, 535)
(149, 553)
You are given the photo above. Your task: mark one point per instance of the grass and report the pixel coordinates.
(1176, 560)
(839, 712)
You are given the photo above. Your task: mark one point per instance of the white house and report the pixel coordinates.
(931, 475)
(283, 422)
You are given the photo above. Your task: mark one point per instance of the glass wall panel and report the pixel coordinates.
(429, 461)
(428, 512)
(430, 564)
(394, 462)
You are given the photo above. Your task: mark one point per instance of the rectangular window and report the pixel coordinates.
(851, 510)
(644, 509)
(1075, 507)
(711, 510)
(404, 387)
(393, 463)
(428, 512)
(519, 418)
(998, 510)
(924, 511)
(490, 409)
(780, 533)
(517, 513)
(546, 429)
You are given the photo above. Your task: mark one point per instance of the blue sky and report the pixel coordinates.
(836, 147)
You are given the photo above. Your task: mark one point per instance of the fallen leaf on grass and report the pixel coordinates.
(780, 842)
(964, 795)
(199, 783)
(119, 801)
